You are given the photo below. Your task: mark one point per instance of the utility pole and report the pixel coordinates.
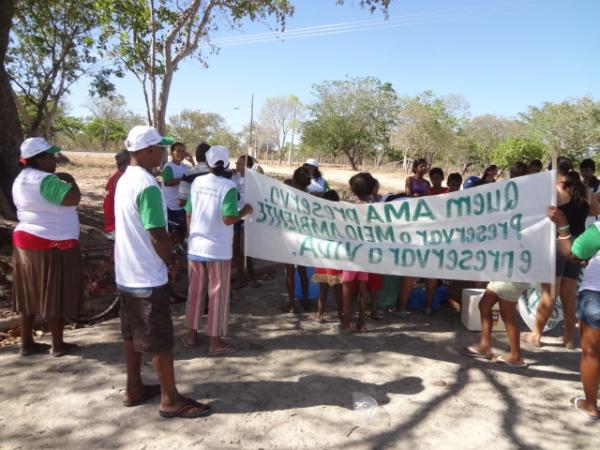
(251, 150)
(293, 130)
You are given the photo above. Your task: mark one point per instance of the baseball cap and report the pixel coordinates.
(215, 154)
(312, 162)
(34, 146)
(143, 136)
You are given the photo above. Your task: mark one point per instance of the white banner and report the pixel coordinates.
(498, 231)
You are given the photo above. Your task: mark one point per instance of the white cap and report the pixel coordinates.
(143, 136)
(34, 146)
(215, 154)
(312, 162)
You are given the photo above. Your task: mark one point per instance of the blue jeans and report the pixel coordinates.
(588, 308)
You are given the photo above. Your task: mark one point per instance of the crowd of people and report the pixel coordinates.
(202, 204)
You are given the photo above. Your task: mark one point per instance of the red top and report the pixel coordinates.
(28, 241)
(434, 191)
(109, 201)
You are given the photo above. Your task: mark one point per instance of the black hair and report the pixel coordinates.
(175, 144)
(588, 163)
(331, 195)
(316, 173)
(122, 157)
(518, 169)
(220, 170)
(201, 150)
(249, 160)
(454, 176)
(577, 189)
(362, 184)
(301, 172)
(563, 165)
(392, 197)
(417, 163)
(436, 171)
(489, 169)
(536, 163)
(33, 161)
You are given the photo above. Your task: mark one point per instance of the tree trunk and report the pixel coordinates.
(351, 159)
(10, 131)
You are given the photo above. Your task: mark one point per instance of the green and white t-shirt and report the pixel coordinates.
(172, 171)
(211, 199)
(38, 196)
(139, 207)
(587, 246)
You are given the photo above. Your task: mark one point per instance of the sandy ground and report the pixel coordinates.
(291, 385)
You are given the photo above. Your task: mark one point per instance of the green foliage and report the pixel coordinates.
(53, 44)
(570, 128)
(515, 149)
(353, 117)
(192, 127)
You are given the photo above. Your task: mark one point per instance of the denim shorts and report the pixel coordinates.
(588, 308)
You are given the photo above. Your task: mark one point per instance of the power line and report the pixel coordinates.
(371, 24)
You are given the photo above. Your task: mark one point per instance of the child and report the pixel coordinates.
(300, 180)
(361, 185)
(416, 185)
(212, 210)
(535, 166)
(375, 283)
(507, 294)
(454, 182)
(328, 277)
(436, 176)
(172, 173)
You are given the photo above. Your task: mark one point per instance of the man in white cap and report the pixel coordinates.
(317, 185)
(142, 254)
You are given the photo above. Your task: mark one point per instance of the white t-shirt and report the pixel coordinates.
(173, 171)
(212, 198)
(139, 206)
(37, 196)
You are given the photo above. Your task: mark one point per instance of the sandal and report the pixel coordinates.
(36, 349)
(316, 318)
(574, 402)
(150, 391)
(186, 343)
(227, 350)
(64, 350)
(190, 410)
(502, 361)
(472, 352)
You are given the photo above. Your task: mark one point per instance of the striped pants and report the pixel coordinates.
(214, 276)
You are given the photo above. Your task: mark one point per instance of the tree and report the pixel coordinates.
(570, 128)
(52, 47)
(352, 117)
(193, 127)
(107, 124)
(155, 36)
(10, 131)
(279, 114)
(515, 149)
(427, 125)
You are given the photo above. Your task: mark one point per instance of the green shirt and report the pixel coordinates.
(54, 189)
(167, 174)
(588, 243)
(150, 206)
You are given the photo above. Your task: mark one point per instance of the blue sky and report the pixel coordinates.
(501, 55)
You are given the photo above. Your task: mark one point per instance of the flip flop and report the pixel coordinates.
(398, 312)
(223, 351)
(501, 361)
(531, 344)
(185, 343)
(191, 410)
(36, 349)
(472, 352)
(65, 350)
(151, 391)
(574, 403)
(314, 318)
